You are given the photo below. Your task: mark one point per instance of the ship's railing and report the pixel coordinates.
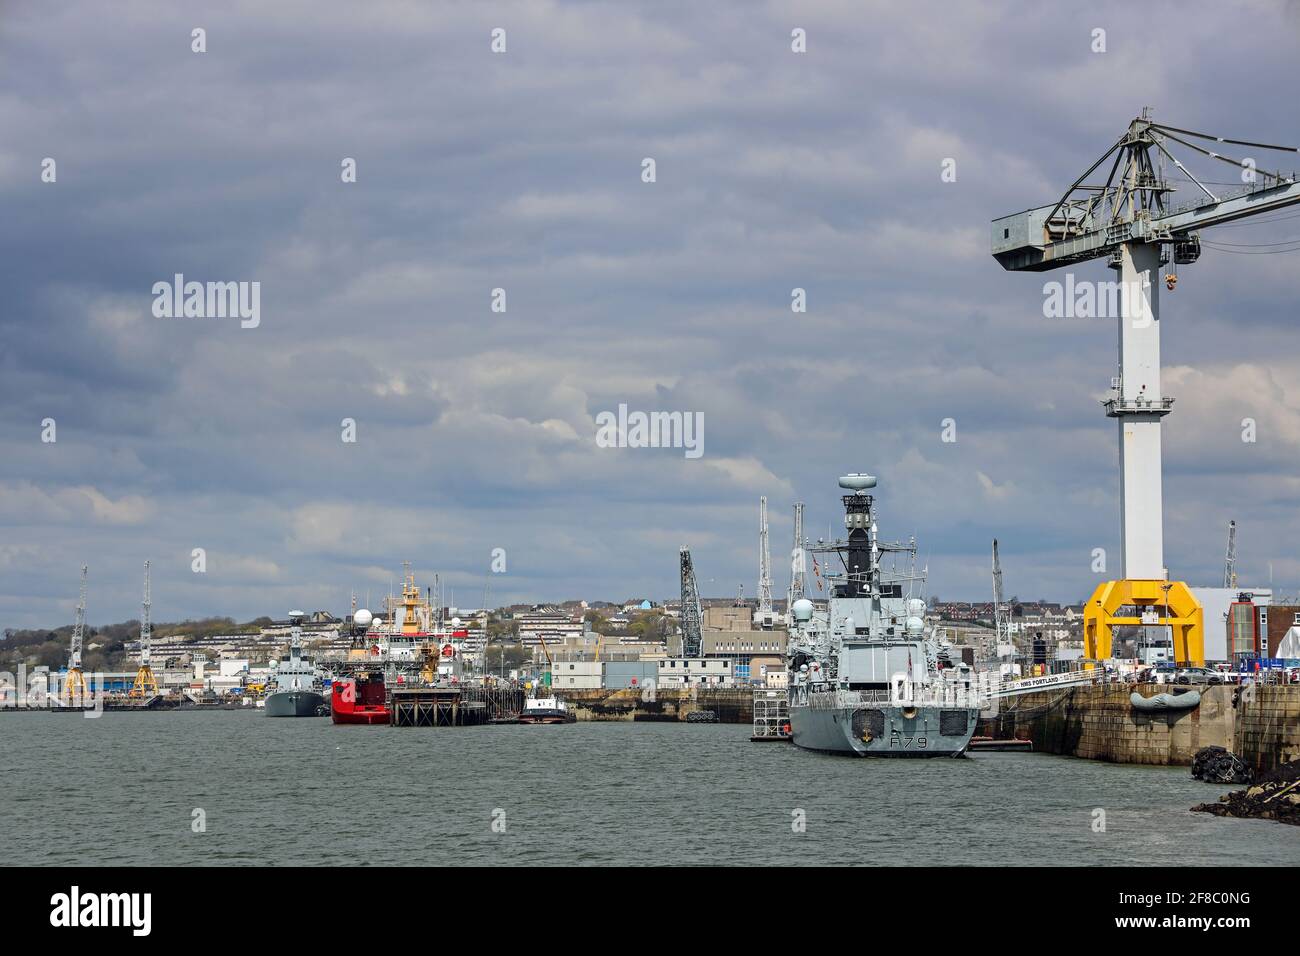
(935, 696)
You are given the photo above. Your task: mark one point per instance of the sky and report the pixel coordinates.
(523, 170)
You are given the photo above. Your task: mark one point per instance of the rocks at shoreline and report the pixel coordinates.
(1276, 796)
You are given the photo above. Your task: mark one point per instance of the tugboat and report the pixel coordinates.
(360, 700)
(867, 678)
(298, 691)
(546, 710)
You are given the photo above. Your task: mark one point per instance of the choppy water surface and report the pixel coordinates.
(123, 788)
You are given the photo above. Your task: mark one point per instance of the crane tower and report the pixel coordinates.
(74, 688)
(1000, 637)
(798, 565)
(1131, 221)
(692, 615)
(146, 685)
(763, 617)
(1230, 558)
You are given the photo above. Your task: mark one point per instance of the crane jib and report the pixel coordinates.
(1090, 222)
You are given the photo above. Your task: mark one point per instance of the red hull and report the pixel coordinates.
(366, 703)
(367, 716)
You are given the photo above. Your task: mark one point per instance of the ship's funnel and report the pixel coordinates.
(857, 482)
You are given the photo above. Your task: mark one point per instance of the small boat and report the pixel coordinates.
(546, 710)
(359, 700)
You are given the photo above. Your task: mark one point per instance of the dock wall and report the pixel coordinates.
(1099, 723)
(733, 705)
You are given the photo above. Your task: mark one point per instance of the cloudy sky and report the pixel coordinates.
(523, 171)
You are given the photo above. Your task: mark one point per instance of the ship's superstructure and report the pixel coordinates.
(868, 676)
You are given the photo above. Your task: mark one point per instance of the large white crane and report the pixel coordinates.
(798, 564)
(763, 617)
(1131, 221)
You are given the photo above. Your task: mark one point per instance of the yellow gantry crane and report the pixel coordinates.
(74, 688)
(1131, 221)
(146, 685)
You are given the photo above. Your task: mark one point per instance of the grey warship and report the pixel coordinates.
(298, 691)
(868, 678)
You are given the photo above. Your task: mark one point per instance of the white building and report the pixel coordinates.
(554, 627)
(694, 671)
(578, 675)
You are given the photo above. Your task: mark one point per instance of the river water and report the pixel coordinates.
(132, 789)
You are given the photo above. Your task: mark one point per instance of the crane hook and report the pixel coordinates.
(1171, 280)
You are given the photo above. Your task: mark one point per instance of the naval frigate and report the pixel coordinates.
(868, 677)
(298, 691)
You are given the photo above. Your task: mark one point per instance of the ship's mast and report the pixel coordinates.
(295, 634)
(861, 554)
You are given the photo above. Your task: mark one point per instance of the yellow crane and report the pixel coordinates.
(146, 684)
(74, 688)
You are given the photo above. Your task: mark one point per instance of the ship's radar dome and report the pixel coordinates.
(916, 607)
(362, 618)
(455, 622)
(801, 609)
(857, 482)
(915, 625)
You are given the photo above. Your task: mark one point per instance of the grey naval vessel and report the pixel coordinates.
(868, 677)
(298, 691)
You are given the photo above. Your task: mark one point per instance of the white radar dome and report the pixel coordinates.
(362, 618)
(915, 625)
(801, 609)
(916, 607)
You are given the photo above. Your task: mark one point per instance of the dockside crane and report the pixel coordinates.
(763, 617)
(74, 688)
(1000, 636)
(798, 564)
(692, 614)
(1130, 221)
(1230, 558)
(146, 685)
